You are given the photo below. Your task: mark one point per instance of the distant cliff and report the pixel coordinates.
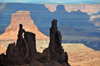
(40, 14)
(87, 8)
(76, 17)
(21, 17)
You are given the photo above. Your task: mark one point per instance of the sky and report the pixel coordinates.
(53, 1)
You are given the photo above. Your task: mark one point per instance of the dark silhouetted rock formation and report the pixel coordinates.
(56, 51)
(24, 51)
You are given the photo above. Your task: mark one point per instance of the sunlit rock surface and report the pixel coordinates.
(2, 49)
(88, 8)
(21, 17)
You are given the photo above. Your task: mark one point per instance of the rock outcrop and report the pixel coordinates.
(78, 54)
(24, 51)
(56, 51)
(21, 17)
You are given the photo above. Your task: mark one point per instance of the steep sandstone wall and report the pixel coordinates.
(21, 17)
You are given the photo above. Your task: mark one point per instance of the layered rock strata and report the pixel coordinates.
(21, 17)
(24, 51)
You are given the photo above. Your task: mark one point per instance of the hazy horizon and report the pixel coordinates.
(53, 1)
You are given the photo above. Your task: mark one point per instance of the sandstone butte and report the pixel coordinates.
(21, 17)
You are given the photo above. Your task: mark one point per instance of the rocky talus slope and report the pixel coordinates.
(21, 17)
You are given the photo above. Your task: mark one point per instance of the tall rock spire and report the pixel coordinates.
(25, 51)
(56, 51)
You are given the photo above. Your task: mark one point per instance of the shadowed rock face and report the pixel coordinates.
(24, 51)
(56, 51)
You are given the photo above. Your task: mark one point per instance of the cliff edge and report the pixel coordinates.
(21, 17)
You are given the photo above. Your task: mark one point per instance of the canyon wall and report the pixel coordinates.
(87, 8)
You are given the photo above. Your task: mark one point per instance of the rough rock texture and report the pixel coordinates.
(78, 54)
(21, 17)
(2, 59)
(56, 50)
(24, 50)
